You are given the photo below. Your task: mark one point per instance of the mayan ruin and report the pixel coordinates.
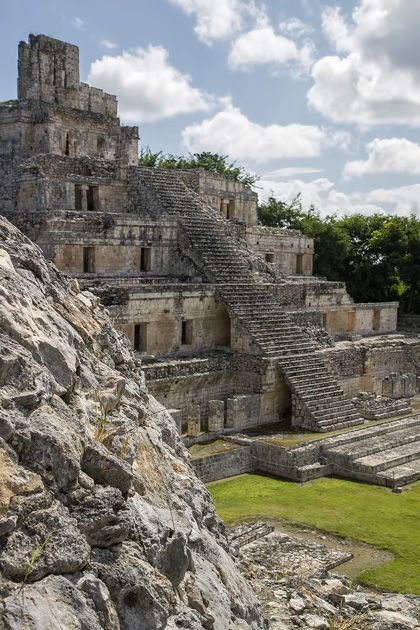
(263, 366)
(232, 328)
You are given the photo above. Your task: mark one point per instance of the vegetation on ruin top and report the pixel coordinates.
(213, 162)
(348, 509)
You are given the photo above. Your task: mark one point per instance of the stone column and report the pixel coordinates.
(193, 422)
(216, 420)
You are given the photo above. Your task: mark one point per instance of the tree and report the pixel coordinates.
(212, 162)
(377, 256)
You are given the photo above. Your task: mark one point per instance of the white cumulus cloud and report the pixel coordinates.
(148, 87)
(387, 155)
(324, 195)
(375, 76)
(231, 132)
(292, 171)
(402, 200)
(262, 45)
(215, 19)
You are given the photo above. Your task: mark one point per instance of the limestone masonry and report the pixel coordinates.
(232, 328)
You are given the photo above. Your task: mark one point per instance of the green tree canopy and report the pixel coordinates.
(212, 162)
(377, 256)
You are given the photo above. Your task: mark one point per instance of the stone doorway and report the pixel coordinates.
(88, 260)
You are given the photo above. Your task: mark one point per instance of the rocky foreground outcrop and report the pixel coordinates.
(103, 523)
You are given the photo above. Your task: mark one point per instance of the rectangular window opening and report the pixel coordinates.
(269, 258)
(187, 333)
(140, 337)
(299, 263)
(88, 260)
(145, 259)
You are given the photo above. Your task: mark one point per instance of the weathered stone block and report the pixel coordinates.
(216, 417)
(193, 422)
(242, 411)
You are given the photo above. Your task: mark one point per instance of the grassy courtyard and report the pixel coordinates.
(353, 510)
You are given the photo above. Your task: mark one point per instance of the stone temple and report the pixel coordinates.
(232, 329)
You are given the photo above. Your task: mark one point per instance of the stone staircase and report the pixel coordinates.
(387, 454)
(318, 404)
(219, 256)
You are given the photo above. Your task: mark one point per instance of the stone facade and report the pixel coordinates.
(224, 313)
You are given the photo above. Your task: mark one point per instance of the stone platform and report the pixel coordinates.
(386, 454)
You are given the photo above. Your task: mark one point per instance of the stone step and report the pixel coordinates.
(388, 458)
(340, 407)
(327, 379)
(311, 366)
(330, 423)
(310, 389)
(362, 434)
(376, 444)
(323, 409)
(401, 475)
(320, 396)
(314, 471)
(346, 424)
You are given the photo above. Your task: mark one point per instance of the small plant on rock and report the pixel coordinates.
(101, 420)
(32, 562)
(338, 622)
(124, 449)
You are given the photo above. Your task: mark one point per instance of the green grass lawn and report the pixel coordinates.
(354, 510)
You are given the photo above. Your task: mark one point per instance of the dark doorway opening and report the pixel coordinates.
(78, 196)
(187, 333)
(88, 260)
(145, 259)
(140, 337)
(93, 198)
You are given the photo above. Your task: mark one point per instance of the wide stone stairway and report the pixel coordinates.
(387, 454)
(318, 403)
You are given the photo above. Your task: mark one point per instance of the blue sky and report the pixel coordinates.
(316, 97)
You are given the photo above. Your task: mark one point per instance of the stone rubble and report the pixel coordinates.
(293, 579)
(373, 407)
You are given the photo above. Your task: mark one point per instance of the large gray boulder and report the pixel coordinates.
(103, 523)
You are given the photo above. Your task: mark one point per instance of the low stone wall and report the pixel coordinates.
(222, 465)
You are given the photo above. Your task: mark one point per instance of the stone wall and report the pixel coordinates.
(167, 311)
(365, 365)
(41, 128)
(251, 390)
(362, 319)
(235, 462)
(289, 251)
(233, 199)
(57, 114)
(49, 72)
(117, 241)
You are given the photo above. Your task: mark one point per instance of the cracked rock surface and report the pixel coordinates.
(103, 523)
